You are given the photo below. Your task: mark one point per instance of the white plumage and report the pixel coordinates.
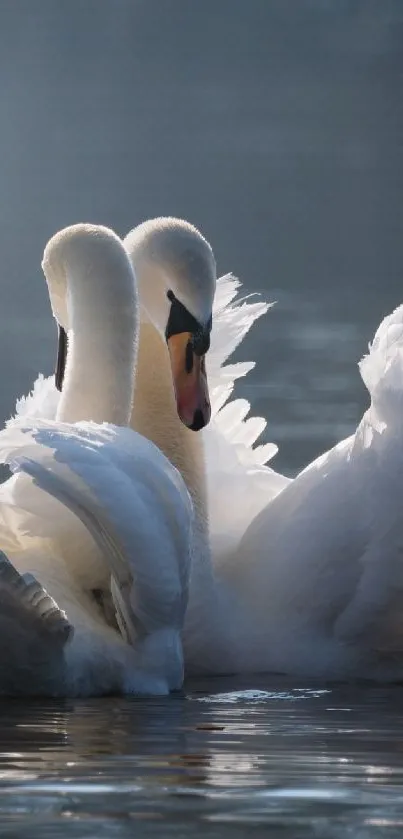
(322, 565)
(239, 482)
(301, 576)
(138, 513)
(89, 502)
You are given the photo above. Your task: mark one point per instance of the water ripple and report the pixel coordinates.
(225, 756)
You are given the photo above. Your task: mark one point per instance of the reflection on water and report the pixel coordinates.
(218, 760)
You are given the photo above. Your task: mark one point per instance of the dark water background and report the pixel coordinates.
(276, 126)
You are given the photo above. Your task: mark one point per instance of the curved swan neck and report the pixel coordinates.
(102, 344)
(155, 416)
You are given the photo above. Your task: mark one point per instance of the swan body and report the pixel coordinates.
(322, 565)
(92, 470)
(302, 576)
(93, 506)
(220, 462)
(226, 473)
(307, 577)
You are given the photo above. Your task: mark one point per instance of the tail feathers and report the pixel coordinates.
(33, 634)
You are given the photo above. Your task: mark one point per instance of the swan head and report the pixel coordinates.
(75, 257)
(176, 277)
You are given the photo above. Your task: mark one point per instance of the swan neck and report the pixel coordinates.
(99, 376)
(155, 416)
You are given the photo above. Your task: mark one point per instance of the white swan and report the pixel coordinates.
(224, 472)
(122, 488)
(176, 276)
(315, 585)
(322, 565)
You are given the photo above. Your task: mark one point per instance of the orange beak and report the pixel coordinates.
(190, 382)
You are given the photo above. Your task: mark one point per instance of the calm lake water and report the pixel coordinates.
(280, 759)
(276, 126)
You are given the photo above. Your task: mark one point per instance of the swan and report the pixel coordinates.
(307, 577)
(117, 491)
(185, 310)
(322, 564)
(184, 305)
(225, 471)
(312, 582)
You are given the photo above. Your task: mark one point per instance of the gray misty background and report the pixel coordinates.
(273, 125)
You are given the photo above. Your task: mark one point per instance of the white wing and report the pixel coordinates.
(134, 504)
(240, 483)
(322, 566)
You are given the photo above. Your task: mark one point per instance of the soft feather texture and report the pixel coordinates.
(239, 482)
(234, 465)
(233, 460)
(108, 492)
(138, 511)
(316, 587)
(42, 401)
(322, 565)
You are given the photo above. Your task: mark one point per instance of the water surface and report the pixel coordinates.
(226, 758)
(276, 126)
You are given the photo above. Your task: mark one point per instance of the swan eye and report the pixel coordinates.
(180, 320)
